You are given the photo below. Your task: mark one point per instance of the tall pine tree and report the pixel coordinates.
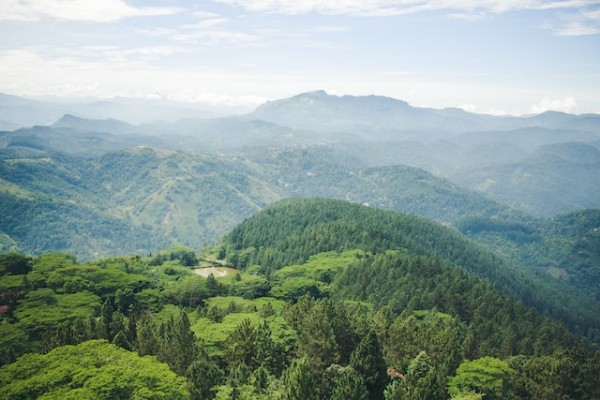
(368, 361)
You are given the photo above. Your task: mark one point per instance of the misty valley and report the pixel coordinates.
(317, 247)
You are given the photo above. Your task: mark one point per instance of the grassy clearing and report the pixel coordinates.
(217, 272)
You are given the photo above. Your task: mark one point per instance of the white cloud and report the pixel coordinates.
(328, 29)
(215, 37)
(108, 54)
(29, 72)
(204, 14)
(107, 71)
(468, 16)
(76, 10)
(208, 30)
(547, 104)
(399, 7)
(469, 107)
(214, 30)
(205, 23)
(577, 17)
(585, 22)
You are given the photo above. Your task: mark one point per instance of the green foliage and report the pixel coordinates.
(181, 254)
(324, 332)
(314, 277)
(254, 347)
(404, 299)
(240, 344)
(490, 322)
(188, 291)
(368, 361)
(14, 264)
(567, 246)
(349, 385)
(299, 381)
(94, 369)
(42, 309)
(14, 341)
(203, 376)
(421, 381)
(215, 333)
(563, 374)
(177, 344)
(488, 375)
(241, 304)
(291, 231)
(438, 335)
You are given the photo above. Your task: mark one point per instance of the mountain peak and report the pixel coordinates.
(97, 125)
(314, 93)
(67, 119)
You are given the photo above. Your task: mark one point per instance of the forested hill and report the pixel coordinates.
(391, 322)
(292, 230)
(566, 246)
(145, 199)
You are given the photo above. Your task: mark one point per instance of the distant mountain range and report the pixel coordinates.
(371, 117)
(157, 198)
(379, 117)
(19, 112)
(501, 157)
(100, 186)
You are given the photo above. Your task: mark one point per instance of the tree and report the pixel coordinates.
(316, 338)
(240, 344)
(203, 376)
(557, 376)
(94, 369)
(190, 291)
(106, 314)
(260, 379)
(368, 361)
(121, 340)
(177, 343)
(214, 288)
(350, 386)
(299, 381)
(267, 310)
(342, 329)
(268, 353)
(15, 264)
(146, 339)
(420, 382)
(438, 334)
(488, 376)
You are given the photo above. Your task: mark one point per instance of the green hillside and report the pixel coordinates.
(391, 317)
(326, 172)
(556, 178)
(139, 200)
(290, 231)
(143, 200)
(567, 247)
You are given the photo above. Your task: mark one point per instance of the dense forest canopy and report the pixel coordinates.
(332, 301)
(292, 230)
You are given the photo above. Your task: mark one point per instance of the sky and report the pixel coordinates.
(486, 56)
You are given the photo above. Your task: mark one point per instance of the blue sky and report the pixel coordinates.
(487, 56)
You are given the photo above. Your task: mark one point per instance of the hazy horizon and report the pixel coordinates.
(491, 57)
